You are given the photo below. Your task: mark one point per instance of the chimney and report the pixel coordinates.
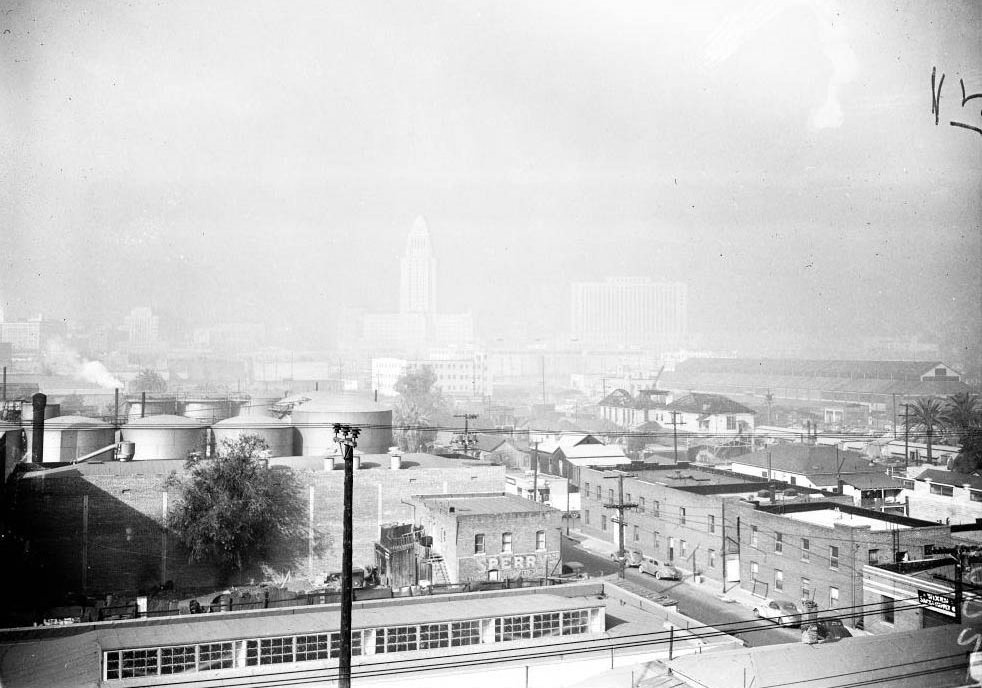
(38, 402)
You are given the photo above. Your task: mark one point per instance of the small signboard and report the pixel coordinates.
(943, 603)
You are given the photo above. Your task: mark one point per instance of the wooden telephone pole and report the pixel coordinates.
(620, 507)
(347, 439)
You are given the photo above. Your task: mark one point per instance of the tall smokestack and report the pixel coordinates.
(38, 402)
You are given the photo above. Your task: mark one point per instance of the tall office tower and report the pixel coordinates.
(142, 328)
(626, 312)
(418, 286)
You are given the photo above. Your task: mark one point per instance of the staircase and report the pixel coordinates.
(439, 568)
(404, 542)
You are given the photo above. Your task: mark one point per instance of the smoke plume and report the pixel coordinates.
(64, 360)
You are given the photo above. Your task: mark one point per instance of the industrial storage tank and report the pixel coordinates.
(165, 437)
(278, 433)
(11, 446)
(209, 409)
(315, 413)
(156, 406)
(67, 438)
(257, 405)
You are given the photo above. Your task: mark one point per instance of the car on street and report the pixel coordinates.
(782, 612)
(632, 558)
(659, 569)
(828, 630)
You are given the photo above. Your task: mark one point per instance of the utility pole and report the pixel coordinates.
(906, 436)
(466, 440)
(675, 435)
(535, 474)
(722, 554)
(621, 506)
(347, 439)
(770, 476)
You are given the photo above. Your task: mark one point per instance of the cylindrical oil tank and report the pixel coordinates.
(156, 406)
(165, 437)
(67, 438)
(278, 433)
(315, 419)
(208, 409)
(11, 446)
(257, 405)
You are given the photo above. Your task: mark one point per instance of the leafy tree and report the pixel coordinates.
(961, 412)
(926, 415)
(233, 508)
(148, 381)
(969, 459)
(420, 404)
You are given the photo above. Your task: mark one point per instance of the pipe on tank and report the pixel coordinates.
(38, 402)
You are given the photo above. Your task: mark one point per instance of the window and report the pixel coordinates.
(512, 628)
(215, 656)
(540, 539)
(637, 533)
(603, 523)
(712, 523)
(641, 504)
(586, 517)
(654, 540)
(874, 557)
(176, 660)
(544, 625)
(975, 495)
(627, 496)
(833, 597)
(943, 490)
(682, 516)
(794, 480)
(396, 639)
(753, 536)
(712, 558)
(273, 650)
(576, 621)
(907, 484)
(731, 423)
(479, 543)
(506, 542)
(465, 633)
(311, 647)
(754, 570)
(779, 543)
(778, 579)
(586, 488)
(886, 607)
(683, 548)
(805, 551)
(833, 557)
(610, 496)
(806, 589)
(433, 636)
(655, 507)
(599, 497)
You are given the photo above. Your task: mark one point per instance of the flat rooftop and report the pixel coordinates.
(482, 504)
(829, 517)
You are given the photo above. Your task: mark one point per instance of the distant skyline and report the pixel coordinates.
(237, 162)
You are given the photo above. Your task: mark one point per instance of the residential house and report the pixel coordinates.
(944, 496)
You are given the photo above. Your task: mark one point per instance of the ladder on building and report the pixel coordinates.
(438, 566)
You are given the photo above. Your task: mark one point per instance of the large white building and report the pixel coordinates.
(417, 288)
(457, 374)
(629, 312)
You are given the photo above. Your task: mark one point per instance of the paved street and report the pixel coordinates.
(697, 602)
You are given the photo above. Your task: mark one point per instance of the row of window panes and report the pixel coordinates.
(506, 542)
(302, 648)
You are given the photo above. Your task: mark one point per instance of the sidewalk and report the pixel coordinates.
(709, 586)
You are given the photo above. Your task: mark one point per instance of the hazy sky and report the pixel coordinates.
(265, 161)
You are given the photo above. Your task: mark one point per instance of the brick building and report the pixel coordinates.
(786, 542)
(482, 537)
(97, 527)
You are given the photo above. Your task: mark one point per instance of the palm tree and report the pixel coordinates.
(961, 412)
(926, 414)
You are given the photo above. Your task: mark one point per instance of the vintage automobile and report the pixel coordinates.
(659, 569)
(632, 558)
(782, 612)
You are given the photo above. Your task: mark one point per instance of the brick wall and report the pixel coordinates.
(525, 559)
(98, 533)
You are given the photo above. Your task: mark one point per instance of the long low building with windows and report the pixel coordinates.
(559, 633)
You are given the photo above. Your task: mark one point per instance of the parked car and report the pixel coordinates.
(659, 569)
(632, 558)
(783, 612)
(828, 630)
